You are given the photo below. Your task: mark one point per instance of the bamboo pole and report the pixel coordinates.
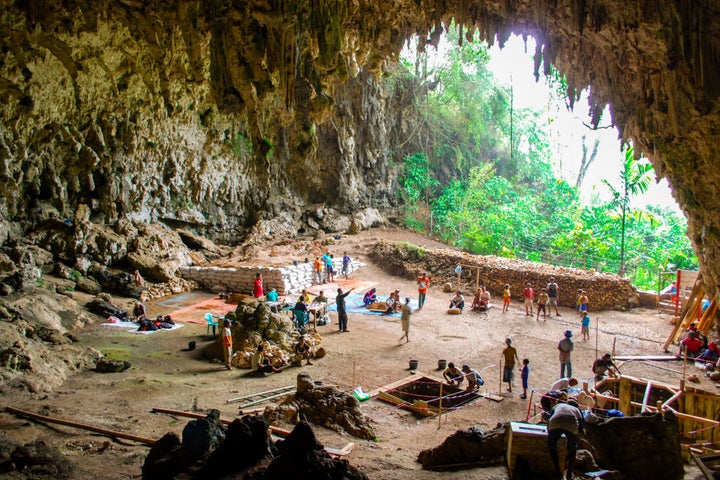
(91, 428)
(501, 375)
(648, 389)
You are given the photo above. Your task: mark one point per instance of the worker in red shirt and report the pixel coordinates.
(423, 284)
(691, 344)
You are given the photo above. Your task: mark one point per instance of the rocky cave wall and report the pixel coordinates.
(226, 115)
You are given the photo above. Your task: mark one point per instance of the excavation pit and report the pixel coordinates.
(426, 396)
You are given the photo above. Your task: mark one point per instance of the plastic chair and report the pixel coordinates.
(300, 318)
(211, 322)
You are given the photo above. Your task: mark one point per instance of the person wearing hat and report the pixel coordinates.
(227, 343)
(405, 320)
(565, 347)
(604, 365)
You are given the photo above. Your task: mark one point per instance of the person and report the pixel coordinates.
(258, 286)
(585, 326)
(139, 311)
(328, 260)
(476, 301)
(691, 345)
(318, 268)
(583, 303)
(321, 298)
(506, 298)
(458, 301)
(542, 301)
(259, 363)
(552, 291)
(565, 347)
(272, 296)
(565, 420)
(529, 296)
(452, 375)
(549, 399)
(577, 299)
(405, 320)
(300, 312)
(346, 260)
(509, 355)
(342, 312)
(393, 302)
(303, 350)
(475, 381)
(423, 282)
(227, 343)
(484, 297)
(710, 355)
(604, 365)
(564, 384)
(370, 297)
(525, 376)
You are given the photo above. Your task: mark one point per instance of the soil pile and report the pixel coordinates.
(605, 291)
(33, 460)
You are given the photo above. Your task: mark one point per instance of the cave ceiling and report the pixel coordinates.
(212, 112)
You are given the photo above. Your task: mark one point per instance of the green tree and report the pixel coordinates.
(635, 178)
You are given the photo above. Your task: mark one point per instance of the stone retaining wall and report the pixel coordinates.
(287, 279)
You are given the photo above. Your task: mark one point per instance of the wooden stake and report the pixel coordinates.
(102, 431)
(501, 372)
(527, 417)
(352, 385)
(440, 406)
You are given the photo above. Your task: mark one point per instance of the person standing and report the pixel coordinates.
(565, 347)
(585, 327)
(345, 265)
(423, 284)
(318, 268)
(552, 291)
(542, 304)
(258, 286)
(529, 295)
(509, 355)
(227, 343)
(525, 376)
(327, 262)
(565, 419)
(342, 313)
(405, 320)
(506, 298)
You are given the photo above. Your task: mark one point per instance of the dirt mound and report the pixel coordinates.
(467, 447)
(605, 291)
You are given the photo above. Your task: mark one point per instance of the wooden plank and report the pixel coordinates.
(397, 383)
(83, 426)
(491, 396)
(705, 471)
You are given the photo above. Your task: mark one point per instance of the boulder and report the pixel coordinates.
(88, 285)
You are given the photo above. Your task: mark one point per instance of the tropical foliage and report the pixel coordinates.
(476, 185)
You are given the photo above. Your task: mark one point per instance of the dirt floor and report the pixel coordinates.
(164, 374)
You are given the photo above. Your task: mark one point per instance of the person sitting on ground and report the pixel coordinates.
(475, 381)
(564, 384)
(272, 296)
(458, 301)
(139, 311)
(711, 354)
(260, 364)
(146, 325)
(484, 298)
(370, 297)
(693, 328)
(452, 375)
(393, 302)
(164, 322)
(476, 301)
(303, 351)
(691, 345)
(604, 365)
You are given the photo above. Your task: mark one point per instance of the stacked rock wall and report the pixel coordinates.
(605, 291)
(286, 279)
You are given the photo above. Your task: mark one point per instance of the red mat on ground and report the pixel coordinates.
(196, 313)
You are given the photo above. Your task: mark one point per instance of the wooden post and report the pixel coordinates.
(477, 279)
(597, 334)
(677, 294)
(527, 416)
(440, 406)
(353, 378)
(501, 375)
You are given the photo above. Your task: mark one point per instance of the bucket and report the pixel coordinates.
(442, 364)
(191, 345)
(413, 364)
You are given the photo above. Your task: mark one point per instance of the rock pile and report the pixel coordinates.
(323, 405)
(605, 291)
(32, 460)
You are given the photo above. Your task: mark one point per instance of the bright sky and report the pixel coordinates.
(512, 63)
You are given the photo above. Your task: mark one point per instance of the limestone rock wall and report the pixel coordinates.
(225, 115)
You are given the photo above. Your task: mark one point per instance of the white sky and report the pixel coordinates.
(512, 62)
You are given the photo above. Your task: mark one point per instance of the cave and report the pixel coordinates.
(208, 114)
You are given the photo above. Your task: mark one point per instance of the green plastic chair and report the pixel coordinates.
(211, 322)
